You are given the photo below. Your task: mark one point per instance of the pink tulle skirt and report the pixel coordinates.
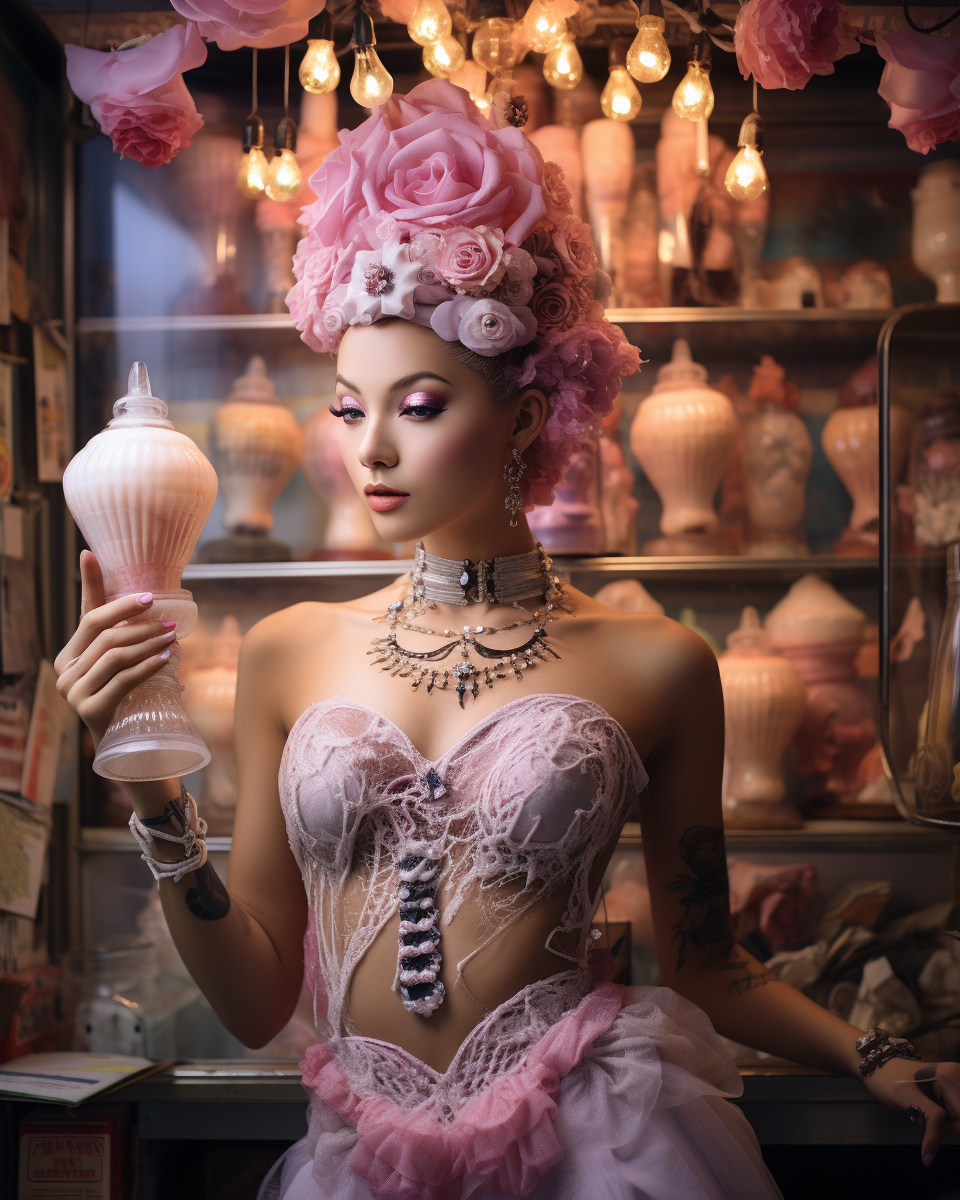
(623, 1096)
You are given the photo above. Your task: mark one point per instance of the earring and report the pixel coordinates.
(512, 472)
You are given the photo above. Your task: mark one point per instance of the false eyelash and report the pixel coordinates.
(341, 412)
(427, 409)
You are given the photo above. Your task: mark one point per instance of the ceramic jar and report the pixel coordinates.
(350, 531)
(141, 493)
(820, 633)
(619, 505)
(764, 700)
(573, 523)
(255, 443)
(629, 596)
(682, 436)
(936, 227)
(209, 695)
(608, 152)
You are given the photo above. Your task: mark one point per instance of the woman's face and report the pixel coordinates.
(422, 439)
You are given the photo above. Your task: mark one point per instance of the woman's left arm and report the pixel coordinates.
(689, 896)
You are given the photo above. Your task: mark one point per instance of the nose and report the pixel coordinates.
(376, 448)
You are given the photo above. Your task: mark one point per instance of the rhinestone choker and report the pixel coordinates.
(496, 580)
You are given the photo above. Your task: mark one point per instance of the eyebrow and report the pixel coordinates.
(399, 383)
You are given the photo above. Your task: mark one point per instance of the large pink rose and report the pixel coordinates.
(471, 259)
(921, 83)
(782, 43)
(262, 23)
(432, 159)
(138, 96)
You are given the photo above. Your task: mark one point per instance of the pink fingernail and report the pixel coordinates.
(145, 597)
(168, 624)
(927, 1160)
(165, 654)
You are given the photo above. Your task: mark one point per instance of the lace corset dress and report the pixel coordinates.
(564, 1085)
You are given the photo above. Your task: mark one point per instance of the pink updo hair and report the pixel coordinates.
(427, 179)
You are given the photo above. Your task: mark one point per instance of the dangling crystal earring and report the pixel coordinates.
(512, 472)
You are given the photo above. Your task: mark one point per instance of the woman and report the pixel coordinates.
(447, 786)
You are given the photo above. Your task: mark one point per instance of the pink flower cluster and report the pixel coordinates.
(262, 23)
(429, 212)
(784, 43)
(138, 96)
(921, 83)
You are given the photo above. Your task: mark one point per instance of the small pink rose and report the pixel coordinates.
(262, 23)
(783, 43)
(514, 292)
(554, 306)
(520, 264)
(921, 83)
(573, 245)
(556, 185)
(471, 259)
(483, 325)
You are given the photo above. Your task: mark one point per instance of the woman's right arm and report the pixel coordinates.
(243, 947)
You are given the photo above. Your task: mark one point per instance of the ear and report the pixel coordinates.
(532, 412)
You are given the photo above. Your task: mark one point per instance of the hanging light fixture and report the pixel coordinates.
(319, 69)
(693, 99)
(371, 83)
(252, 175)
(746, 177)
(431, 22)
(620, 98)
(543, 26)
(496, 44)
(283, 177)
(648, 58)
(563, 67)
(445, 57)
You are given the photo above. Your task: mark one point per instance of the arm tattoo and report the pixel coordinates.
(208, 898)
(745, 980)
(173, 814)
(925, 1078)
(706, 892)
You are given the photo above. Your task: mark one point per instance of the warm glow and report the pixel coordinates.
(371, 84)
(495, 44)
(319, 69)
(252, 176)
(544, 27)
(648, 59)
(563, 67)
(693, 99)
(620, 99)
(431, 22)
(484, 102)
(283, 177)
(444, 58)
(746, 178)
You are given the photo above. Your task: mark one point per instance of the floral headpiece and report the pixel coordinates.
(432, 212)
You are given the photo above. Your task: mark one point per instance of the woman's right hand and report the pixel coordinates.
(105, 660)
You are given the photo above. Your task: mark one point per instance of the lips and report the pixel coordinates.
(383, 499)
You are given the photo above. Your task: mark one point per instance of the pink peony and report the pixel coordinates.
(262, 23)
(782, 43)
(138, 96)
(921, 83)
(471, 259)
(483, 325)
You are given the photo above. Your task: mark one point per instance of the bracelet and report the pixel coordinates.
(194, 846)
(878, 1047)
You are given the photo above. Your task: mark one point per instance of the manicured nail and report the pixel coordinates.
(165, 654)
(169, 624)
(145, 597)
(927, 1160)
(169, 635)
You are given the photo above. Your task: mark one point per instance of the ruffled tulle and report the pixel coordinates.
(623, 1097)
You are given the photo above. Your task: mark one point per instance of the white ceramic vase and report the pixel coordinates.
(350, 527)
(573, 523)
(851, 442)
(682, 436)
(141, 493)
(763, 700)
(608, 150)
(619, 505)
(936, 227)
(209, 696)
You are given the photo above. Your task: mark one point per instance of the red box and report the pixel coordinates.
(75, 1153)
(30, 1021)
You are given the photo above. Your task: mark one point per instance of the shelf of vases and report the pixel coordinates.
(866, 836)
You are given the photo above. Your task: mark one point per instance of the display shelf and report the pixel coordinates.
(868, 836)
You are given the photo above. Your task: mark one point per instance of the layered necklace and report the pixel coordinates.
(505, 581)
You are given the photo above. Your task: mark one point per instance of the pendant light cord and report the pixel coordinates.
(286, 80)
(254, 79)
(929, 28)
(755, 109)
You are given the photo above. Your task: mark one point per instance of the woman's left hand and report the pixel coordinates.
(933, 1089)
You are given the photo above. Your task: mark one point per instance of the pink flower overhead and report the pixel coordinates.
(483, 325)
(471, 259)
(783, 43)
(921, 83)
(261, 23)
(138, 96)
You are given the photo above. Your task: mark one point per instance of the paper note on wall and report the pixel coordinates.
(23, 841)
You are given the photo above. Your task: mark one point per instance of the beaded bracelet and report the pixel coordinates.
(878, 1047)
(192, 840)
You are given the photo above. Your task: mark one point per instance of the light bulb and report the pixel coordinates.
(444, 58)
(319, 69)
(543, 26)
(620, 99)
(484, 102)
(283, 176)
(430, 22)
(252, 176)
(563, 67)
(648, 59)
(495, 44)
(371, 83)
(746, 178)
(693, 99)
